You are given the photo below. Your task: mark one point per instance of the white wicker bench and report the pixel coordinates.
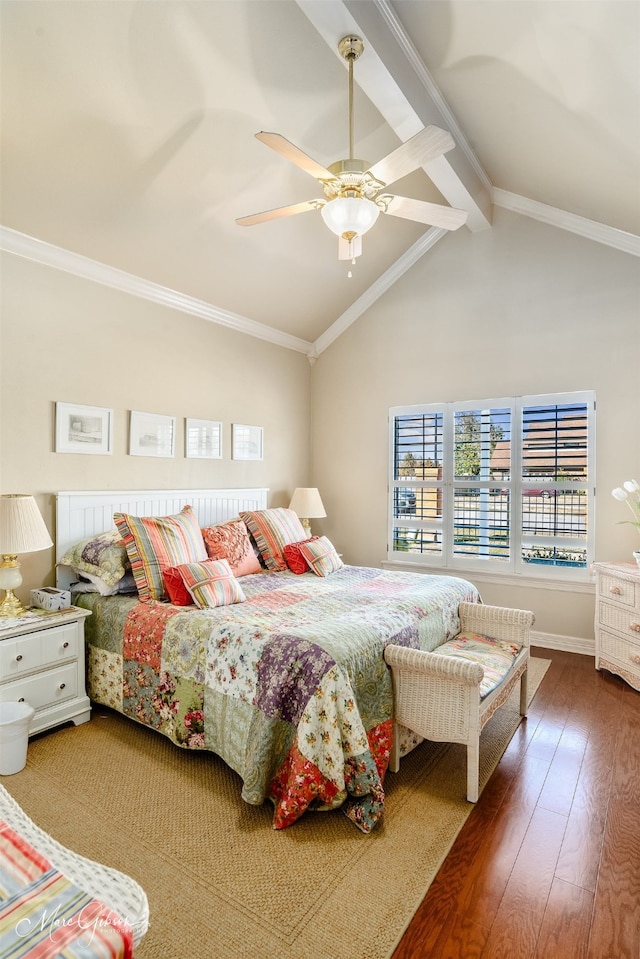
(438, 696)
(116, 890)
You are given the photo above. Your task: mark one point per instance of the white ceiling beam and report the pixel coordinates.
(399, 85)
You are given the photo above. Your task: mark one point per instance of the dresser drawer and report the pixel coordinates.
(625, 653)
(619, 590)
(26, 653)
(624, 621)
(45, 689)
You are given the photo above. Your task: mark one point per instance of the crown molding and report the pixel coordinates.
(380, 286)
(590, 229)
(28, 247)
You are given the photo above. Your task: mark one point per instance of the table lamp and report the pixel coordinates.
(22, 530)
(307, 504)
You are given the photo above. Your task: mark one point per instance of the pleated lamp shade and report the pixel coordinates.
(22, 528)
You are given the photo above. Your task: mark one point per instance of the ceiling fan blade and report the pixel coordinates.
(291, 152)
(280, 212)
(427, 145)
(433, 214)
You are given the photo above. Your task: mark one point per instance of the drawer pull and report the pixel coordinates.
(19, 658)
(635, 658)
(635, 627)
(65, 645)
(62, 685)
(21, 700)
(615, 591)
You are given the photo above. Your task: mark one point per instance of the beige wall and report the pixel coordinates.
(521, 309)
(70, 340)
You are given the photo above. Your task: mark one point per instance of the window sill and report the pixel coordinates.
(498, 579)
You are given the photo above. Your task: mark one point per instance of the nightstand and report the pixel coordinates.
(617, 620)
(42, 663)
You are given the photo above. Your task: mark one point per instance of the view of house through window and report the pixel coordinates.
(506, 484)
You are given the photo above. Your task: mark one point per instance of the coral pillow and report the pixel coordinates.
(321, 556)
(179, 595)
(211, 583)
(273, 529)
(156, 542)
(231, 541)
(293, 556)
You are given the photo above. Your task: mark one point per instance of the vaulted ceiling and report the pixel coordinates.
(129, 150)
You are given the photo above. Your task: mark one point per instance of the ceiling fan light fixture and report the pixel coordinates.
(349, 216)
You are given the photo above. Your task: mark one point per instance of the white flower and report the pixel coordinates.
(629, 493)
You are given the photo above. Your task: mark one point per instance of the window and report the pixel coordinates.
(505, 485)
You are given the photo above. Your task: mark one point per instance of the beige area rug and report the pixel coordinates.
(222, 884)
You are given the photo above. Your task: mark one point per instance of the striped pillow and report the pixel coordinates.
(273, 529)
(156, 542)
(211, 583)
(321, 556)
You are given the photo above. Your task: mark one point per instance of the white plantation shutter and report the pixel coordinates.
(504, 484)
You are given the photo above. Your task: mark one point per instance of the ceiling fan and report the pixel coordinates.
(353, 189)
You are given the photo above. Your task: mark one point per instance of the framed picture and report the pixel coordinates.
(203, 439)
(151, 434)
(83, 429)
(247, 442)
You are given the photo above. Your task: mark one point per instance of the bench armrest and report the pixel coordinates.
(431, 664)
(510, 625)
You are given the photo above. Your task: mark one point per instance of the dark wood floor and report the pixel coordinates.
(548, 864)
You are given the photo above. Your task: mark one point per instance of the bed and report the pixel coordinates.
(288, 686)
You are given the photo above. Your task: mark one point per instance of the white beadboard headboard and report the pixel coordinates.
(81, 514)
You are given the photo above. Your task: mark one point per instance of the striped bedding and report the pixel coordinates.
(44, 914)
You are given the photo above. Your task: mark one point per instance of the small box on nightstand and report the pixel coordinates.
(49, 598)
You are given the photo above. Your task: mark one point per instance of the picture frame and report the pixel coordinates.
(83, 429)
(203, 439)
(151, 434)
(247, 442)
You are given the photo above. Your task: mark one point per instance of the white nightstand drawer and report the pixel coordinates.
(47, 647)
(618, 590)
(45, 689)
(625, 653)
(624, 621)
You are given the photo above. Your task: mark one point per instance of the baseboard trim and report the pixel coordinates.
(567, 644)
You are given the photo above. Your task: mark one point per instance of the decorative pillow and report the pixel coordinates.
(211, 583)
(178, 593)
(294, 558)
(273, 529)
(101, 558)
(321, 556)
(231, 541)
(156, 542)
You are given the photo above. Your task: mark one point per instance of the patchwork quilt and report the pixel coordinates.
(290, 688)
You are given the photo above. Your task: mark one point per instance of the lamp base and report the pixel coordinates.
(10, 579)
(306, 525)
(11, 605)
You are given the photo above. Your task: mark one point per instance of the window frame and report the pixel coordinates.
(515, 565)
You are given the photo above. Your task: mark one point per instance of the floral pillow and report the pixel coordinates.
(272, 530)
(155, 543)
(211, 583)
(231, 541)
(321, 556)
(102, 559)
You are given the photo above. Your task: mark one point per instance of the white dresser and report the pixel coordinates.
(42, 663)
(617, 620)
